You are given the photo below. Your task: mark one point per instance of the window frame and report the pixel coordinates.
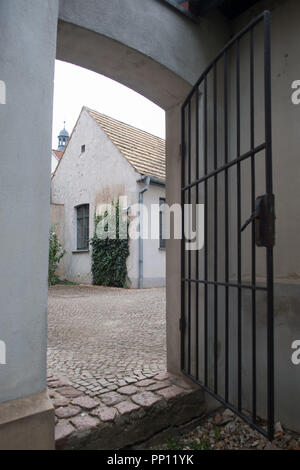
(83, 225)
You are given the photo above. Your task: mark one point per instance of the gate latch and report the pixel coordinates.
(264, 217)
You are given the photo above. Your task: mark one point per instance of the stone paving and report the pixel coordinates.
(101, 339)
(106, 357)
(126, 416)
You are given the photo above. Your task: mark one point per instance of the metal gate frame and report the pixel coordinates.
(187, 184)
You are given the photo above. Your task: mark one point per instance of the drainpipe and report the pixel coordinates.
(145, 179)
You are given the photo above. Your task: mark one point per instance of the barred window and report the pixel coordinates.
(83, 227)
(162, 240)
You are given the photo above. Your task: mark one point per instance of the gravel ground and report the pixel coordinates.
(225, 431)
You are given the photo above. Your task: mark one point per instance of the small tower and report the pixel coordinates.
(63, 138)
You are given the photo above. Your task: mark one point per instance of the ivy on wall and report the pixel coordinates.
(109, 255)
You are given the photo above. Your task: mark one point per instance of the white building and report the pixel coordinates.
(104, 160)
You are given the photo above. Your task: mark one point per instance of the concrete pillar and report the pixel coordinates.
(27, 54)
(173, 269)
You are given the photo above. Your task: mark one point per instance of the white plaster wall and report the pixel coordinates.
(54, 162)
(27, 53)
(154, 258)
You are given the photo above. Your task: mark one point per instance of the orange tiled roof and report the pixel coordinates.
(58, 153)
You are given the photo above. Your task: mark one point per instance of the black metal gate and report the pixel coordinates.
(227, 287)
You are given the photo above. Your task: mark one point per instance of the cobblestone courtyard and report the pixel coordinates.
(100, 339)
(107, 368)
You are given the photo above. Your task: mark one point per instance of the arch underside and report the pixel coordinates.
(121, 63)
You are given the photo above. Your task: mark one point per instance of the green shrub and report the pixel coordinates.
(55, 255)
(109, 255)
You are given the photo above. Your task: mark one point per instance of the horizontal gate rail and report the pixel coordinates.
(200, 348)
(241, 158)
(226, 284)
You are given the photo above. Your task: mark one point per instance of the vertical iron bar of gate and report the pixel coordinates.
(189, 232)
(269, 188)
(197, 252)
(205, 240)
(253, 249)
(226, 229)
(183, 285)
(239, 238)
(215, 150)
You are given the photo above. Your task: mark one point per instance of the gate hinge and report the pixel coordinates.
(182, 324)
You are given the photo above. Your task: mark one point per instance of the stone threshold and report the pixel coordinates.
(126, 417)
(27, 423)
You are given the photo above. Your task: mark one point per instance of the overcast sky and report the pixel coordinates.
(75, 87)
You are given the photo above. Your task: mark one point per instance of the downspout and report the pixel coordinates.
(141, 254)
